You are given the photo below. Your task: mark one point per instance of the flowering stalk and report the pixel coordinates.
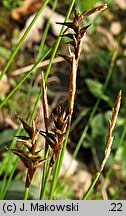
(76, 40)
(109, 140)
(30, 158)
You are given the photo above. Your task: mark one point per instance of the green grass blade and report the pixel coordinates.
(79, 117)
(44, 187)
(44, 178)
(23, 37)
(22, 80)
(86, 195)
(58, 40)
(9, 180)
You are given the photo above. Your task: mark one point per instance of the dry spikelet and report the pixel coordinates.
(76, 43)
(45, 103)
(30, 158)
(112, 122)
(98, 8)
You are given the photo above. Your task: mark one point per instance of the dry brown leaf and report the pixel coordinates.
(29, 6)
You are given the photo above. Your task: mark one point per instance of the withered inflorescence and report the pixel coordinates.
(30, 158)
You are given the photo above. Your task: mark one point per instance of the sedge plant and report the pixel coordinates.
(39, 59)
(57, 136)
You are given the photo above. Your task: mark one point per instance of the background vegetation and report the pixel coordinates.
(101, 75)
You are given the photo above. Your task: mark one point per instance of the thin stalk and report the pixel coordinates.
(45, 106)
(3, 165)
(35, 105)
(26, 193)
(82, 114)
(58, 166)
(4, 182)
(79, 117)
(46, 117)
(109, 141)
(23, 37)
(46, 31)
(73, 59)
(43, 190)
(58, 40)
(96, 177)
(86, 129)
(9, 179)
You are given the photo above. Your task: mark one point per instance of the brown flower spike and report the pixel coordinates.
(109, 138)
(62, 119)
(56, 136)
(76, 40)
(30, 158)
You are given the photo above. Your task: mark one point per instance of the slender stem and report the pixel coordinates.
(79, 117)
(35, 105)
(26, 193)
(46, 115)
(4, 182)
(73, 60)
(109, 140)
(58, 166)
(58, 40)
(55, 177)
(86, 195)
(86, 129)
(43, 190)
(23, 37)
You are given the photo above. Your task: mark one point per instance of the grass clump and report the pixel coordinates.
(56, 136)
